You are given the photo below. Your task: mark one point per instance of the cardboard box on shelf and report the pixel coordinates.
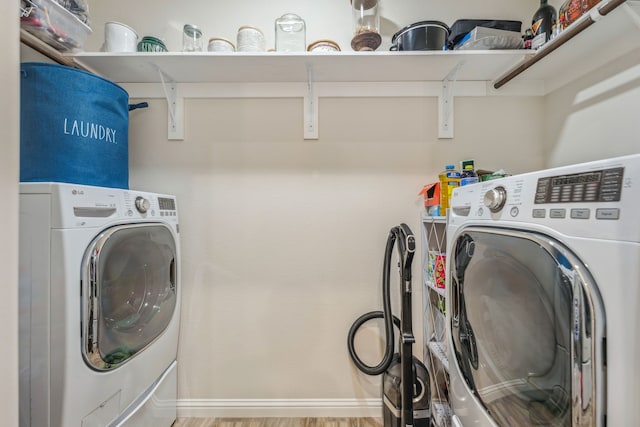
(431, 193)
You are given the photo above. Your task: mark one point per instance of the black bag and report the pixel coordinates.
(461, 27)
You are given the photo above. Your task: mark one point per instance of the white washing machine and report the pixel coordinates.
(99, 306)
(543, 282)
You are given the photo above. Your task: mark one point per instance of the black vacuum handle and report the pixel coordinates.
(406, 241)
(407, 247)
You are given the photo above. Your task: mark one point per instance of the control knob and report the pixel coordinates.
(142, 204)
(495, 198)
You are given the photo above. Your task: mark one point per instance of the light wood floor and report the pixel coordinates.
(278, 422)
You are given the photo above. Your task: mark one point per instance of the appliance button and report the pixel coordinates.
(580, 213)
(515, 211)
(557, 213)
(495, 199)
(608, 213)
(539, 213)
(142, 204)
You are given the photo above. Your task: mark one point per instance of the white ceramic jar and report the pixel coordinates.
(250, 39)
(119, 37)
(219, 44)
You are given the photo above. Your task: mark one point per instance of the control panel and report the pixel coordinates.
(147, 205)
(75, 205)
(595, 200)
(593, 186)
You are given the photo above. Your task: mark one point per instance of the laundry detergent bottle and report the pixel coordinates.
(468, 176)
(449, 179)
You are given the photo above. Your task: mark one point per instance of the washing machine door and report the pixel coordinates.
(527, 327)
(129, 281)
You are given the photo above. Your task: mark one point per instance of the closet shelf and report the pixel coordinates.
(608, 32)
(433, 219)
(244, 67)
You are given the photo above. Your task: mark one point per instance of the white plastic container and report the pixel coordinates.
(53, 24)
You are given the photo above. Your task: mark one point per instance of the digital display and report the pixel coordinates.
(594, 186)
(167, 204)
(582, 178)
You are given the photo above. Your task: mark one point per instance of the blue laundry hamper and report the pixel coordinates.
(74, 127)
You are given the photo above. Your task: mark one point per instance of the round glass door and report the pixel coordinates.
(527, 328)
(129, 289)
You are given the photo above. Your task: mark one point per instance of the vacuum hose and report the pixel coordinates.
(406, 248)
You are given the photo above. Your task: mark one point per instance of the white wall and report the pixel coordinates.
(283, 239)
(9, 135)
(597, 116)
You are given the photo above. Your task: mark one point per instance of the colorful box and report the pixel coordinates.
(436, 269)
(431, 193)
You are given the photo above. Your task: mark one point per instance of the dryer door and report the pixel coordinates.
(129, 290)
(527, 327)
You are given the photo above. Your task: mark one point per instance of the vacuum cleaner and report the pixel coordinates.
(406, 392)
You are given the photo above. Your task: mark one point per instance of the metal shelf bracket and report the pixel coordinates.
(310, 107)
(445, 103)
(175, 107)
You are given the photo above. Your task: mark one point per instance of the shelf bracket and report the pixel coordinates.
(310, 107)
(175, 108)
(445, 103)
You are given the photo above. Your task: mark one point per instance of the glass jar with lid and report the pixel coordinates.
(366, 25)
(290, 33)
(191, 38)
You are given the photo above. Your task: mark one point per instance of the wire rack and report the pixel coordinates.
(434, 296)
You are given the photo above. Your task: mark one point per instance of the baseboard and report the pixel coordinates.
(285, 408)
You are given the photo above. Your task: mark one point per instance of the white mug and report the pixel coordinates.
(218, 44)
(250, 39)
(119, 37)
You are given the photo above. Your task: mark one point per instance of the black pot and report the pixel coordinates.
(424, 35)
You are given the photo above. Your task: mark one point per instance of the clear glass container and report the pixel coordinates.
(366, 25)
(191, 38)
(290, 33)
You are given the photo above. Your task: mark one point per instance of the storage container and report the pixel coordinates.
(431, 193)
(462, 27)
(483, 38)
(323, 46)
(74, 127)
(424, 35)
(290, 33)
(53, 24)
(365, 15)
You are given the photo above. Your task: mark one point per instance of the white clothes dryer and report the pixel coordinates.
(543, 290)
(99, 306)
